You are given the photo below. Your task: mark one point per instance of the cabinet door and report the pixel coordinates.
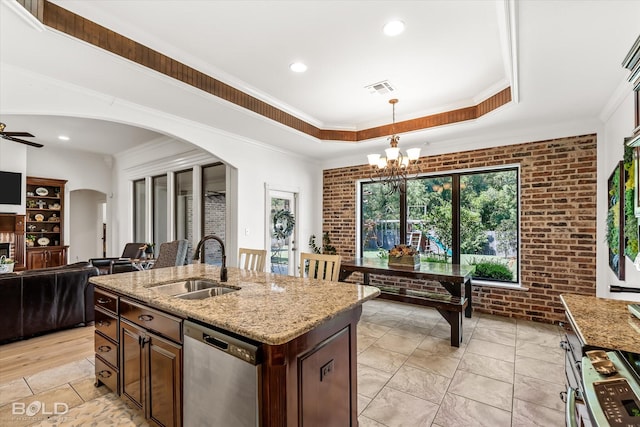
(36, 259)
(132, 366)
(57, 257)
(164, 377)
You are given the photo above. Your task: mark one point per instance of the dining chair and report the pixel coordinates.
(172, 254)
(251, 259)
(320, 266)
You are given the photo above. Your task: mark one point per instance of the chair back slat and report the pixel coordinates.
(252, 259)
(320, 266)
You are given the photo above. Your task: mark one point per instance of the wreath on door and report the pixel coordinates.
(283, 223)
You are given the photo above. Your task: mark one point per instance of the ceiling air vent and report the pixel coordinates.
(380, 88)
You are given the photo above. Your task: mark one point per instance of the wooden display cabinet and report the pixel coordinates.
(44, 231)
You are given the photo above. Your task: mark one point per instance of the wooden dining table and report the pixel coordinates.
(454, 278)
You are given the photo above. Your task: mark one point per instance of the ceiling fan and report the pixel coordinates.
(10, 136)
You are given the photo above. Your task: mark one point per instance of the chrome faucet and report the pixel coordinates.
(199, 253)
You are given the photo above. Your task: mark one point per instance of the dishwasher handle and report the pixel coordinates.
(250, 352)
(218, 343)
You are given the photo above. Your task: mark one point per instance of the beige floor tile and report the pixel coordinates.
(460, 411)
(487, 366)
(539, 392)
(371, 380)
(384, 319)
(488, 321)
(363, 401)
(381, 359)
(445, 366)
(368, 422)
(34, 409)
(524, 326)
(394, 408)
(55, 377)
(87, 390)
(412, 329)
(14, 390)
(372, 329)
(482, 389)
(443, 330)
(495, 335)
(398, 343)
(539, 337)
(526, 414)
(502, 352)
(546, 371)
(537, 351)
(442, 347)
(419, 383)
(365, 341)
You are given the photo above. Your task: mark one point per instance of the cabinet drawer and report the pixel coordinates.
(105, 300)
(107, 375)
(148, 318)
(106, 349)
(106, 324)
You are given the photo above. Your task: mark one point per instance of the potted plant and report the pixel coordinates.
(6, 264)
(31, 240)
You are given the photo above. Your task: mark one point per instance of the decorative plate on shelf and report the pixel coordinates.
(41, 191)
(39, 217)
(43, 241)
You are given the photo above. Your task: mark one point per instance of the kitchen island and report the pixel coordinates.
(305, 331)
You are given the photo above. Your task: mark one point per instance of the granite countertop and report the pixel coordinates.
(603, 322)
(272, 309)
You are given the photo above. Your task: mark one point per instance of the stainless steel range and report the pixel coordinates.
(603, 387)
(611, 387)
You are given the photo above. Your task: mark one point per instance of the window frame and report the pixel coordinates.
(455, 202)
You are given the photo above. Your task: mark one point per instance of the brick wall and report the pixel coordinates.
(557, 226)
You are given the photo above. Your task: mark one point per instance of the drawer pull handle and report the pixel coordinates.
(103, 300)
(104, 348)
(105, 374)
(104, 323)
(145, 317)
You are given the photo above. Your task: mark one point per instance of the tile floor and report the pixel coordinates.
(506, 373)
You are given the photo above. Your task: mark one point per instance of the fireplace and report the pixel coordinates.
(12, 236)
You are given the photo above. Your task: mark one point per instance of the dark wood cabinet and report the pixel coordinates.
(150, 364)
(106, 340)
(44, 230)
(46, 257)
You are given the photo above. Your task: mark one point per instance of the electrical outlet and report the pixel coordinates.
(246, 231)
(326, 369)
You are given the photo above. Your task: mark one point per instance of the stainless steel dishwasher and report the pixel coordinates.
(220, 379)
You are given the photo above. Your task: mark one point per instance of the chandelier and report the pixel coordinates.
(393, 169)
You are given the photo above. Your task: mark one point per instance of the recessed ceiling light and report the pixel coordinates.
(298, 67)
(393, 28)
(63, 138)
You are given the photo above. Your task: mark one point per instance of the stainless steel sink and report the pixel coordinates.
(206, 293)
(185, 286)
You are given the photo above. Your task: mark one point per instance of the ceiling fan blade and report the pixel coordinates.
(22, 141)
(17, 134)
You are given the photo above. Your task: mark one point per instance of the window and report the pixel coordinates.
(139, 213)
(183, 202)
(468, 218)
(214, 209)
(159, 184)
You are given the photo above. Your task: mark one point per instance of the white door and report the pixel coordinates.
(281, 229)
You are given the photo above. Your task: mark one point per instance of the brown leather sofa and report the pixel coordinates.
(38, 301)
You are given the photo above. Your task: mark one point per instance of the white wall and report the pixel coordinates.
(610, 151)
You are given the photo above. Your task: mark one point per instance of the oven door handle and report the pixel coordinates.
(570, 408)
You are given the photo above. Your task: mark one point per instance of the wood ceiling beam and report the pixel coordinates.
(81, 28)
